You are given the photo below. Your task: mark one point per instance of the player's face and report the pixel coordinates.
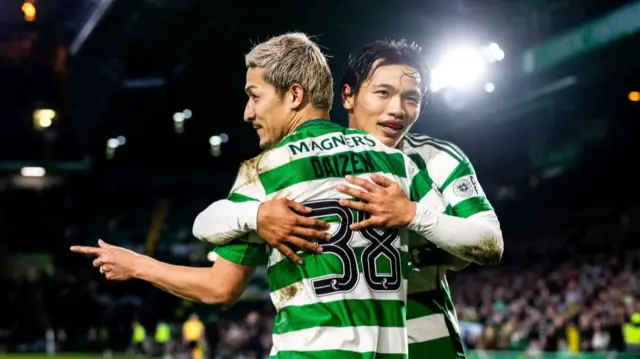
(387, 104)
(265, 110)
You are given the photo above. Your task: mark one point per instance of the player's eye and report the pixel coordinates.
(414, 99)
(383, 93)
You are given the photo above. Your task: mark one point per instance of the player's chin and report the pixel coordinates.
(266, 143)
(389, 137)
(388, 140)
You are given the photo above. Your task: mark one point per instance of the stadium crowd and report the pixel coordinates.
(571, 285)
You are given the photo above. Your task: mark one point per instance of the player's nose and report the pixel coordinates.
(395, 108)
(249, 113)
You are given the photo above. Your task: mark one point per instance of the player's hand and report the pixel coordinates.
(115, 262)
(282, 224)
(383, 199)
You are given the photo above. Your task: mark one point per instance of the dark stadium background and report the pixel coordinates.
(556, 149)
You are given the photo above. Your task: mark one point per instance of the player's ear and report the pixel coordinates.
(348, 97)
(296, 93)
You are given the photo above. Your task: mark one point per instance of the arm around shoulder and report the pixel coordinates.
(225, 220)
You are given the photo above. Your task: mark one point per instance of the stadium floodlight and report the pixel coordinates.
(461, 68)
(113, 143)
(178, 117)
(493, 52)
(187, 114)
(489, 87)
(43, 118)
(224, 137)
(32, 171)
(215, 141)
(121, 140)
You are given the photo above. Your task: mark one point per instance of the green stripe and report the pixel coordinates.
(441, 348)
(302, 170)
(461, 170)
(449, 210)
(287, 272)
(341, 314)
(420, 185)
(418, 160)
(435, 302)
(237, 197)
(240, 252)
(335, 354)
(426, 303)
(471, 206)
(317, 130)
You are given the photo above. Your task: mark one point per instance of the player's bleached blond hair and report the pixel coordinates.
(294, 58)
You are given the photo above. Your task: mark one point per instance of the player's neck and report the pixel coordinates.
(307, 115)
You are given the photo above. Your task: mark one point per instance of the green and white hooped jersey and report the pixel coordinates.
(432, 323)
(349, 301)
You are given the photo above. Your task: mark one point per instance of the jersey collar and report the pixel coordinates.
(315, 123)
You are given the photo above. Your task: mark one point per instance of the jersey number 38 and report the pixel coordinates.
(380, 244)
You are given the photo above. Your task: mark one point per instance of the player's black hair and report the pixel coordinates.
(359, 65)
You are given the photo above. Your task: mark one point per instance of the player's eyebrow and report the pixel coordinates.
(249, 89)
(384, 86)
(389, 87)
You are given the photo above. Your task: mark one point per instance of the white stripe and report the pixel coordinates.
(302, 293)
(434, 200)
(440, 164)
(427, 328)
(357, 241)
(462, 189)
(383, 340)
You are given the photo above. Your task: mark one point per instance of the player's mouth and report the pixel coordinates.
(391, 128)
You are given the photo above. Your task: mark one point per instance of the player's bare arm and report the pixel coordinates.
(461, 237)
(223, 283)
(281, 223)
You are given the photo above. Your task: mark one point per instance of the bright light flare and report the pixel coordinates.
(43, 118)
(489, 87)
(178, 117)
(32, 172)
(29, 11)
(113, 143)
(493, 52)
(461, 68)
(215, 141)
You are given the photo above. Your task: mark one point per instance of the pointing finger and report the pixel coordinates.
(86, 250)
